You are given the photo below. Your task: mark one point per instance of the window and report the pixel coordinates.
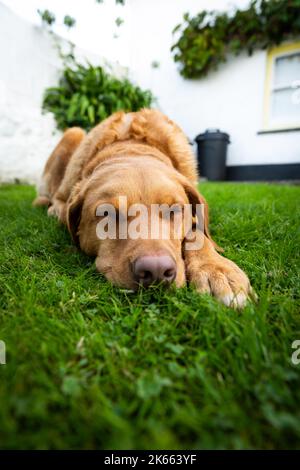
(282, 89)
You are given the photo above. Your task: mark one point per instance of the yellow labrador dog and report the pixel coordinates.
(142, 158)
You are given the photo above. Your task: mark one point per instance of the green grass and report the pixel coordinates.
(90, 366)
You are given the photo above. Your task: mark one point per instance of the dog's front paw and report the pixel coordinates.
(51, 211)
(57, 209)
(224, 280)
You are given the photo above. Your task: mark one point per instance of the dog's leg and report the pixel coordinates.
(213, 274)
(41, 201)
(56, 166)
(43, 195)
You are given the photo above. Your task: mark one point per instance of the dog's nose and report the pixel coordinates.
(151, 269)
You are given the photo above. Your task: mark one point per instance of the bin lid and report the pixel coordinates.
(213, 134)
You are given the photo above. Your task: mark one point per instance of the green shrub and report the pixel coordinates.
(86, 95)
(208, 37)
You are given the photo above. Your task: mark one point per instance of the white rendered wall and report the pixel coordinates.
(230, 99)
(28, 65)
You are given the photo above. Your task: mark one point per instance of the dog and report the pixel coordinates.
(146, 158)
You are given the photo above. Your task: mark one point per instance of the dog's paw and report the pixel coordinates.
(51, 211)
(40, 201)
(57, 209)
(224, 280)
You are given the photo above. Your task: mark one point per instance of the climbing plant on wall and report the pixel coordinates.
(48, 18)
(205, 40)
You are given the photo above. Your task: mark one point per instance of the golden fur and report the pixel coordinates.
(145, 157)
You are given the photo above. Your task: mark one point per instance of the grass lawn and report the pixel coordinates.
(90, 366)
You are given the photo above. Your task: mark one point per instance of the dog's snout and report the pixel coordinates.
(153, 269)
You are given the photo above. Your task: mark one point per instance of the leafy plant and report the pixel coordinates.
(155, 64)
(87, 94)
(69, 21)
(119, 21)
(47, 17)
(207, 38)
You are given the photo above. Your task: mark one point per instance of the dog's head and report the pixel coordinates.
(130, 214)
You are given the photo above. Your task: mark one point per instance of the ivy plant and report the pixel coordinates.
(87, 94)
(69, 21)
(47, 17)
(206, 39)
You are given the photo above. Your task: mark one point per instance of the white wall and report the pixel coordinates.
(28, 65)
(230, 99)
(95, 28)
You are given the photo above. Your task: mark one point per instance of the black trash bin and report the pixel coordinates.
(212, 152)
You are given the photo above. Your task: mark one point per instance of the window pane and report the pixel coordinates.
(285, 106)
(287, 70)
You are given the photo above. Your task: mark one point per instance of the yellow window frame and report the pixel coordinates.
(273, 54)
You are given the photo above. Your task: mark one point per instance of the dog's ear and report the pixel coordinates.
(196, 198)
(74, 208)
